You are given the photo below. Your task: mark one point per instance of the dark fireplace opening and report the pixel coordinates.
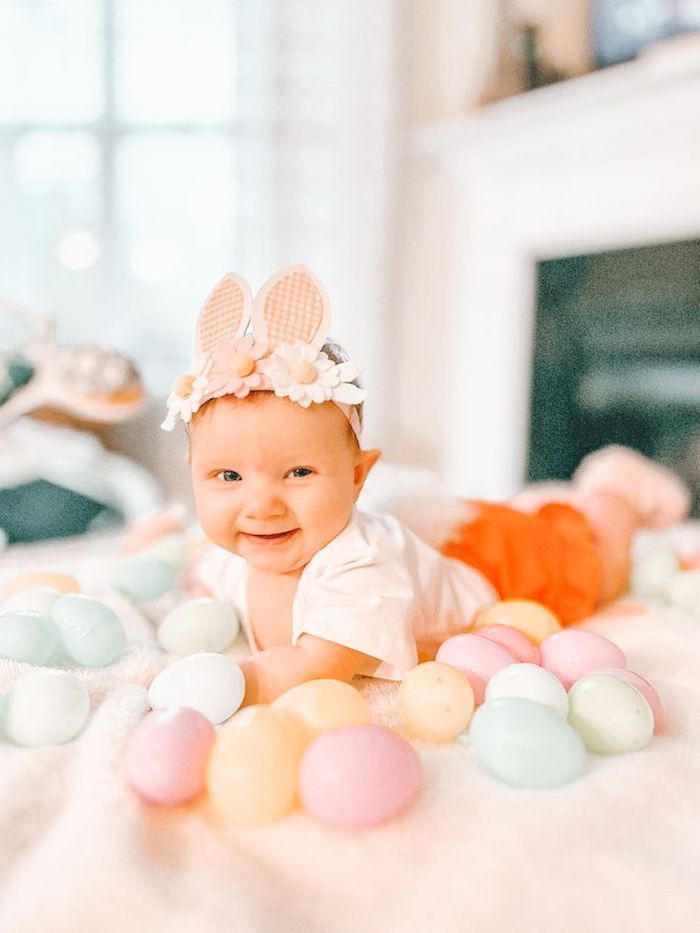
(617, 359)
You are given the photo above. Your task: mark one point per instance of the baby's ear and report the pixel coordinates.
(365, 461)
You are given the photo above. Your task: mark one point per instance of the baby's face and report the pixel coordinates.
(274, 482)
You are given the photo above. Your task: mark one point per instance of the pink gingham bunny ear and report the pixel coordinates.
(292, 306)
(225, 313)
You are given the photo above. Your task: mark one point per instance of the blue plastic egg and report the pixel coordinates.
(26, 635)
(144, 577)
(525, 744)
(91, 632)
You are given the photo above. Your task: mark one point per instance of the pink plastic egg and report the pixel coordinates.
(572, 654)
(358, 776)
(519, 645)
(478, 658)
(645, 688)
(166, 758)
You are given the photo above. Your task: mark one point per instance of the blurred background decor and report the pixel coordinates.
(445, 166)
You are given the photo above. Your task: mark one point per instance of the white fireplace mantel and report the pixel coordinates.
(606, 161)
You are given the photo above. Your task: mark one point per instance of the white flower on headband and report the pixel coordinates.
(187, 393)
(235, 369)
(305, 375)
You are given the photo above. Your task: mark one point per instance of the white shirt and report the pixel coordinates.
(376, 588)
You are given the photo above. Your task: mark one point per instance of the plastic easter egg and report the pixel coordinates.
(166, 758)
(530, 682)
(647, 690)
(325, 704)
(683, 589)
(199, 625)
(358, 776)
(143, 578)
(57, 581)
(46, 708)
(254, 765)
(37, 598)
(436, 702)
(519, 645)
(652, 572)
(477, 657)
(211, 683)
(27, 636)
(574, 653)
(525, 744)
(531, 618)
(91, 632)
(611, 716)
(173, 549)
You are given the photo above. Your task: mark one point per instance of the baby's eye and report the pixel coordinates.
(228, 476)
(300, 471)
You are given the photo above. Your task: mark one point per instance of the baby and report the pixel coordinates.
(326, 590)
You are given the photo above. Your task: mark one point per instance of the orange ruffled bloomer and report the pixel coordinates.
(548, 556)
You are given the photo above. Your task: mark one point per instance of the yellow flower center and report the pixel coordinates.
(242, 366)
(303, 372)
(183, 386)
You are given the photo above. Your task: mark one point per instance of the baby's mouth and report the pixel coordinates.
(280, 536)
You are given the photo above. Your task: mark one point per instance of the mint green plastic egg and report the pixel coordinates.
(202, 624)
(526, 744)
(29, 636)
(611, 716)
(91, 632)
(652, 572)
(144, 577)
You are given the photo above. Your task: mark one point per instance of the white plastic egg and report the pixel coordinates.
(652, 572)
(46, 708)
(211, 683)
(199, 625)
(531, 682)
(684, 590)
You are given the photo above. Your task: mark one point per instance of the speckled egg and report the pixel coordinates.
(46, 708)
(530, 682)
(143, 577)
(27, 636)
(611, 716)
(533, 619)
(254, 764)
(358, 776)
(525, 744)
(435, 702)
(325, 704)
(199, 625)
(211, 683)
(477, 657)
(647, 690)
(91, 632)
(166, 758)
(574, 653)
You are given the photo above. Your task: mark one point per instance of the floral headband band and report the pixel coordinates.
(288, 322)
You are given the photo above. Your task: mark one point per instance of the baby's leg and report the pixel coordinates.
(619, 491)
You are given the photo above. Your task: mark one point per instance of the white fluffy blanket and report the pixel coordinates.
(618, 849)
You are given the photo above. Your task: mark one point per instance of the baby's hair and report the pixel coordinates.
(334, 352)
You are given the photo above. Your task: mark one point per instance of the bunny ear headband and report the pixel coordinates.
(289, 322)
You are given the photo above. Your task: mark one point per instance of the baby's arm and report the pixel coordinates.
(275, 670)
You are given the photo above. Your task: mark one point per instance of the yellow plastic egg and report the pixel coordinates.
(436, 702)
(253, 768)
(62, 582)
(531, 618)
(326, 704)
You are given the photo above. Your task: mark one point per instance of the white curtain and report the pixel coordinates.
(148, 147)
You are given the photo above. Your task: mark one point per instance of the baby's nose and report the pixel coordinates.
(263, 502)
